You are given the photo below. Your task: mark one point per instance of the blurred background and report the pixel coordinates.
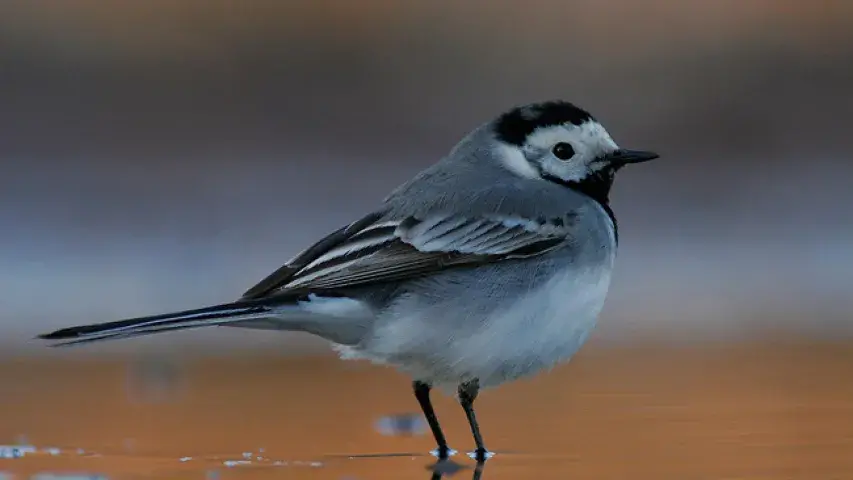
(167, 154)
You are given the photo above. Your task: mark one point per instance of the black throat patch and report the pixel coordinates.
(597, 187)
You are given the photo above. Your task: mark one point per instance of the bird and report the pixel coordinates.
(488, 266)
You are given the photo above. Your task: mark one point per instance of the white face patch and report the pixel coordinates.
(589, 140)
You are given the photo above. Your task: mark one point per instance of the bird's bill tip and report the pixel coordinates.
(624, 156)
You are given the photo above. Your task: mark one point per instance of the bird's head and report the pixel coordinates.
(562, 143)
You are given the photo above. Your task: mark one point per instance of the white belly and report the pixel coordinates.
(532, 332)
(543, 328)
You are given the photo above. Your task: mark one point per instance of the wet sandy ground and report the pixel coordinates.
(749, 411)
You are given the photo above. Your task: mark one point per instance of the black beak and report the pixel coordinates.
(623, 157)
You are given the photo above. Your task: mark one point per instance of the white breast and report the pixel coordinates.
(556, 319)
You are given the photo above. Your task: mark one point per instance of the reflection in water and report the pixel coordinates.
(407, 424)
(449, 468)
(445, 468)
(154, 380)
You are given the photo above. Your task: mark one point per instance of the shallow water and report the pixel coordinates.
(754, 411)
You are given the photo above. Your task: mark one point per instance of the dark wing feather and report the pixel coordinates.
(374, 250)
(278, 278)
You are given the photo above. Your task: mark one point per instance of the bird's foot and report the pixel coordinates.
(481, 455)
(443, 453)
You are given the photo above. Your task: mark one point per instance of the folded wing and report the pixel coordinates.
(376, 249)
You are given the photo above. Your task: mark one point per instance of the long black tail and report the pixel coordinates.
(134, 327)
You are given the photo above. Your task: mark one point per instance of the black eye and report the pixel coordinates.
(563, 151)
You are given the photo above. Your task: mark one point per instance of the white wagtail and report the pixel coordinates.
(490, 265)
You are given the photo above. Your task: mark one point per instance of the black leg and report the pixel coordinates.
(467, 394)
(422, 394)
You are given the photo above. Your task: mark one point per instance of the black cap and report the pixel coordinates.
(514, 126)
